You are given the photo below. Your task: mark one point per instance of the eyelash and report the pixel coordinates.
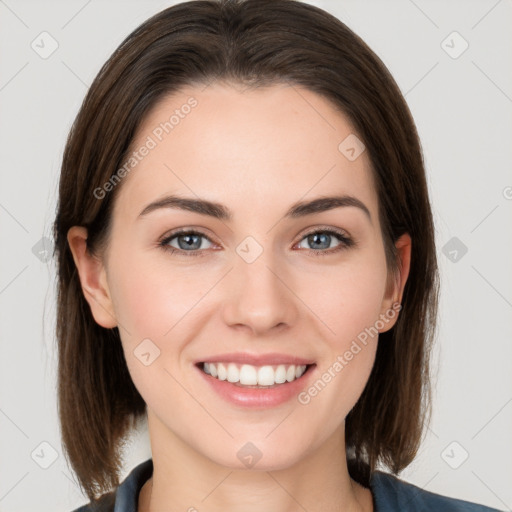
(346, 242)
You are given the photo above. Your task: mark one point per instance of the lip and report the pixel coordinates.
(272, 358)
(257, 398)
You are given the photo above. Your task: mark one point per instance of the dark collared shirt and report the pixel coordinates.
(390, 494)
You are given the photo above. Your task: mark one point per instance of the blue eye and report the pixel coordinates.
(325, 237)
(190, 242)
(186, 240)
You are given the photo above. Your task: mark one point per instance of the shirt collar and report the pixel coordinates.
(127, 495)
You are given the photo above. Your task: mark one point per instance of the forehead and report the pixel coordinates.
(250, 149)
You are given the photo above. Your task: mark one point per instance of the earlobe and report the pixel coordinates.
(92, 276)
(396, 288)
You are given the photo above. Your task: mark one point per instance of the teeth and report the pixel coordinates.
(248, 375)
(221, 371)
(233, 373)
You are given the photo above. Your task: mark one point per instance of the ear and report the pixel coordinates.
(396, 284)
(93, 278)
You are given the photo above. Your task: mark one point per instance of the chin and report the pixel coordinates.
(258, 454)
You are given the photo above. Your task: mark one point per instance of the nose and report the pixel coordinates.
(259, 296)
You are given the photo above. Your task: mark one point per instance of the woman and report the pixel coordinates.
(278, 367)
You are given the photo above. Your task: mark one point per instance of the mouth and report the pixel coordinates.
(255, 377)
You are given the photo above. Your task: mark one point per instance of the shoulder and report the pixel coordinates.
(390, 494)
(104, 504)
(125, 497)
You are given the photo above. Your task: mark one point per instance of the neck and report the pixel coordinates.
(184, 479)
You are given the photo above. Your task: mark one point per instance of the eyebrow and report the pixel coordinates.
(221, 212)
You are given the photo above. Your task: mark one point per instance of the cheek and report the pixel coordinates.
(153, 305)
(150, 299)
(349, 306)
(159, 302)
(347, 298)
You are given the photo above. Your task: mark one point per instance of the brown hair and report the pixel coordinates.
(255, 43)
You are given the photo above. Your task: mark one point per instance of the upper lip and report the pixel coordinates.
(256, 359)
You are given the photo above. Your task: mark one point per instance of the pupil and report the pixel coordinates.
(190, 240)
(314, 238)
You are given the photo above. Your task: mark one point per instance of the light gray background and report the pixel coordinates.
(462, 107)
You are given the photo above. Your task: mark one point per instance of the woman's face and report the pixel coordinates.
(254, 283)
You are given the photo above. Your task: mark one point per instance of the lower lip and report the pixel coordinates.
(258, 398)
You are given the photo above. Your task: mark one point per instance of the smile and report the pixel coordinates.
(246, 375)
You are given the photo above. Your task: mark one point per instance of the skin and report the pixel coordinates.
(257, 152)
